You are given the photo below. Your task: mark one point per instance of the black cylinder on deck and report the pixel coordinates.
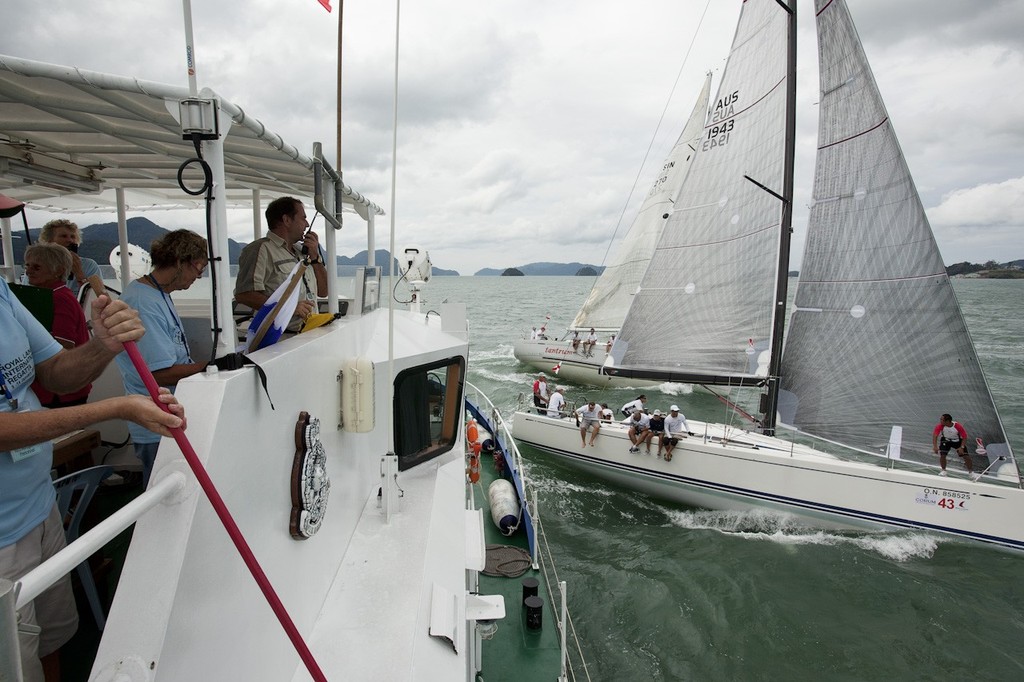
(530, 586)
(534, 612)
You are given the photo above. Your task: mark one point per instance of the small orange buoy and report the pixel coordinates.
(471, 431)
(474, 467)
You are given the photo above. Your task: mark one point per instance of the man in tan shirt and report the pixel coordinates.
(265, 263)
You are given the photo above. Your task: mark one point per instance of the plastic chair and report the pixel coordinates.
(84, 482)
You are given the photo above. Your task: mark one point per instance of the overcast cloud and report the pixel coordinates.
(523, 124)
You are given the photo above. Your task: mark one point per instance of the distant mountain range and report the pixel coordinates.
(99, 240)
(546, 269)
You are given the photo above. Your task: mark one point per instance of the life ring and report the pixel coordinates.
(474, 467)
(471, 431)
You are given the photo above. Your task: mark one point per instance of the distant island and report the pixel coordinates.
(545, 270)
(511, 272)
(989, 270)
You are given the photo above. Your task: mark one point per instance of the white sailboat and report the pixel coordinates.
(609, 299)
(877, 349)
(386, 577)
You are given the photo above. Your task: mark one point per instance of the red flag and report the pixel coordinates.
(326, 4)
(556, 368)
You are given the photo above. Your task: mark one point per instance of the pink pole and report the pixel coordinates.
(229, 523)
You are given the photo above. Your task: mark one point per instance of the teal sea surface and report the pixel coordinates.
(660, 591)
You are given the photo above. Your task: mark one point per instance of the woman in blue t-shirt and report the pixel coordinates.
(179, 259)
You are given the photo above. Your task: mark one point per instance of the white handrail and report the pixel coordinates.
(39, 579)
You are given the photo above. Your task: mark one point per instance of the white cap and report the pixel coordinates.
(674, 408)
(657, 413)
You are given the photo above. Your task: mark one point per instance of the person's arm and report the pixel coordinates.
(19, 429)
(249, 285)
(320, 270)
(935, 438)
(113, 323)
(312, 243)
(963, 436)
(253, 299)
(170, 376)
(97, 285)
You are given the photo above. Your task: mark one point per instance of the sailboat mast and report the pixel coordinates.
(770, 400)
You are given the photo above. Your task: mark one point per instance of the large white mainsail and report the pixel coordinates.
(705, 309)
(606, 306)
(877, 338)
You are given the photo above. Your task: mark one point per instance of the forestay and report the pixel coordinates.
(704, 311)
(613, 291)
(877, 338)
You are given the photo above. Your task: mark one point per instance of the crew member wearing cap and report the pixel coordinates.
(589, 417)
(675, 428)
(657, 429)
(540, 394)
(556, 402)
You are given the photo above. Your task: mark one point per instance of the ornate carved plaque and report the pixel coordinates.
(310, 485)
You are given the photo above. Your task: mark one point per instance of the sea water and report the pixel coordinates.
(660, 591)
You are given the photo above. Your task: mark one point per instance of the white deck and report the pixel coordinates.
(365, 607)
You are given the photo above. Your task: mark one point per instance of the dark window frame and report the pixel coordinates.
(414, 404)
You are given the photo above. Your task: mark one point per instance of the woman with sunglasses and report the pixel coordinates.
(179, 259)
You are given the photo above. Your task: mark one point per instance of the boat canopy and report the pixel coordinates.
(82, 141)
(70, 137)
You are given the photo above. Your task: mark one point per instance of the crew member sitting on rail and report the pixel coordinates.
(675, 427)
(590, 419)
(639, 430)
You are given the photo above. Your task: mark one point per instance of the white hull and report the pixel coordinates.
(822, 490)
(574, 365)
(183, 586)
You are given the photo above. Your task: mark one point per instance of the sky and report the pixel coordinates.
(529, 130)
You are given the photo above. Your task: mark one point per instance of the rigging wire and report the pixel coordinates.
(657, 128)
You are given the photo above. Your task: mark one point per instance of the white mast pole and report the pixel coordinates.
(190, 51)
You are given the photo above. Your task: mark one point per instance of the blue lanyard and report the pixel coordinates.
(173, 312)
(12, 402)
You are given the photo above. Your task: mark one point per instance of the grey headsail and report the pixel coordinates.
(877, 339)
(704, 311)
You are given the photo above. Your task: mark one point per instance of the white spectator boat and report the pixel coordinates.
(346, 473)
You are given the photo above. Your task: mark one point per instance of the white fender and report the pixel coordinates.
(504, 505)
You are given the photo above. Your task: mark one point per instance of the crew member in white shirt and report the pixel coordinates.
(675, 428)
(590, 419)
(639, 430)
(556, 402)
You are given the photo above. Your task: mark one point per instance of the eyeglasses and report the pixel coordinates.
(199, 269)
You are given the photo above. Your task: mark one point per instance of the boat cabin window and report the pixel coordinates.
(427, 410)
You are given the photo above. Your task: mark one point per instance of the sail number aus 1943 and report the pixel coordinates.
(722, 122)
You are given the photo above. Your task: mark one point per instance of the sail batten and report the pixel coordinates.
(877, 338)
